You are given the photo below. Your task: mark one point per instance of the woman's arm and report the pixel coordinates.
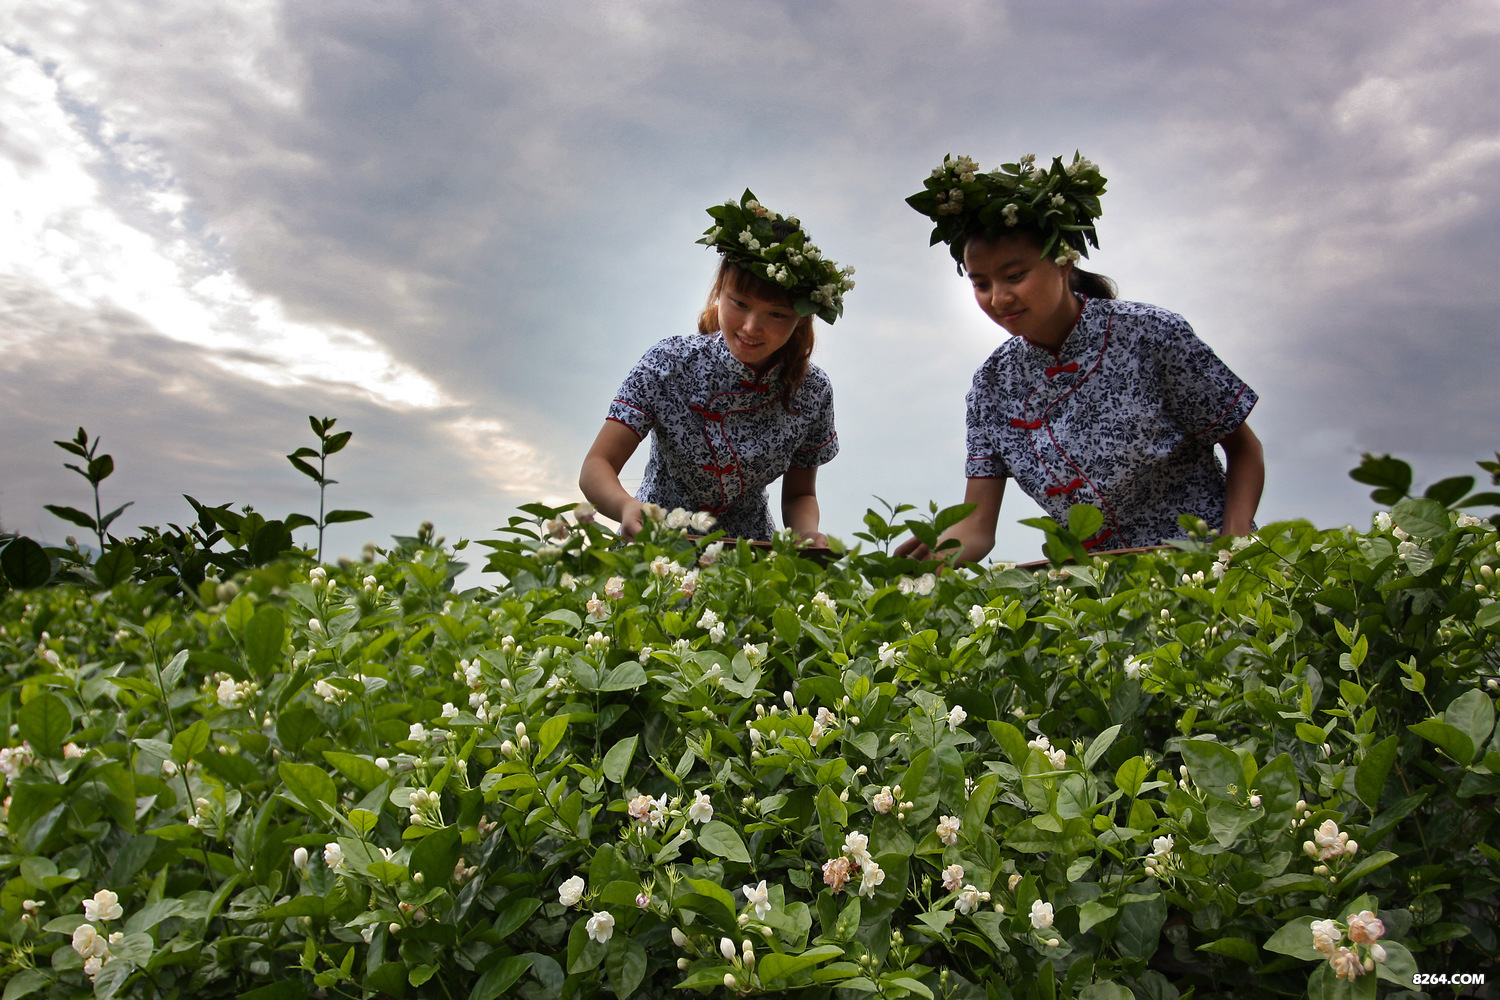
(1244, 477)
(600, 477)
(799, 504)
(975, 533)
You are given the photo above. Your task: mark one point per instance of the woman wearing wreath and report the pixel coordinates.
(736, 405)
(1092, 400)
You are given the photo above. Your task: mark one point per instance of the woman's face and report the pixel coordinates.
(754, 328)
(1019, 290)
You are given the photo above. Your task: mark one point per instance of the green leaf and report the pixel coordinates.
(1130, 775)
(26, 564)
(344, 516)
(1213, 767)
(1098, 745)
(312, 786)
(625, 964)
(1233, 947)
(334, 443)
(263, 637)
(1094, 912)
(362, 772)
(1295, 939)
(1452, 739)
(24, 983)
(1399, 965)
(115, 566)
(550, 735)
(500, 977)
(1474, 714)
(1104, 991)
(776, 965)
(45, 722)
(100, 468)
(1449, 491)
(295, 726)
(307, 470)
(513, 913)
(1391, 475)
(435, 856)
(1084, 520)
(626, 677)
(721, 840)
(72, 515)
(1421, 518)
(191, 742)
(1369, 776)
(787, 625)
(617, 759)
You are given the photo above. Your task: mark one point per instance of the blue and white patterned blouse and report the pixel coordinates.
(1124, 417)
(722, 435)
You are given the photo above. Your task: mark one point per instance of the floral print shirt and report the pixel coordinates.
(722, 435)
(1125, 417)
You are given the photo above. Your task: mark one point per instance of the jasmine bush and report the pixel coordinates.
(1266, 767)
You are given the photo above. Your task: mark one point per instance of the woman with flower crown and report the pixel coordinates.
(736, 405)
(1093, 400)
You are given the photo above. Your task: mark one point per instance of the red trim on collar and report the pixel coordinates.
(1067, 369)
(1026, 425)
(1057, 491)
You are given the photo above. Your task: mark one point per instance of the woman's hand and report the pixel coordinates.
(975, 533)
(600, 477)
(632, 516)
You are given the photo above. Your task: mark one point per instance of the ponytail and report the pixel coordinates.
(1095, 286)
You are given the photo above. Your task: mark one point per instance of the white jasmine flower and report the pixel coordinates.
(759, 898)
(870, 877)
(88, 942)
(883, 800)
(1365, 928)
(925, 583)
(886, 654)
(953, 877)
(571, 891)
(701, 810)
(614, 588)
(1467, 521)
(977, 616)
(1040, 743)
(956, 717)
(969, 900)
(333, 856)
(1383, 521)
(450, 710)
(708, 619)
(1041, 915)
(601, 926)
(1326, 935)
(417, 732)
(104, 906)
(1058, 758)
(678, 519)
(857, 845)
(710, 554)
(1162, 846)
(947, 829)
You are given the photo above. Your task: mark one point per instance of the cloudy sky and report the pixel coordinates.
(455, 226)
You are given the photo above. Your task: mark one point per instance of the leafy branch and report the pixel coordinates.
(328, 444)
(98, 469)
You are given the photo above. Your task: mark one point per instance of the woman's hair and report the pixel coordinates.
(794, 354)
(1095, 286)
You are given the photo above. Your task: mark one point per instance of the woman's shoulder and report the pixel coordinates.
(1140, 315)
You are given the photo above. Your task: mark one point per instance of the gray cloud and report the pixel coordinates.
(504, 200)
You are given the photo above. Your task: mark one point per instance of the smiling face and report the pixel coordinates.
(754, 325)
(1019, 290)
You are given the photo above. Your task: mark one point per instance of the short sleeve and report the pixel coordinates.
(820, 442)
(984, 422)
(635, 404)
(1200, 391)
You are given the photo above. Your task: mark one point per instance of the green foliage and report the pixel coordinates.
(1134, 776)
(328, 444)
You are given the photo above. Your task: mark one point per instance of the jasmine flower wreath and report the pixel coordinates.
(776, 248)
(1060, 204)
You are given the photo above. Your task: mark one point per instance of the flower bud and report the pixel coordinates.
(520, 729)
(730, 982)
(525, 743)
(744, 919)
(679, 938)
(418, 878)
(1301, 805)
(682, 964)
(1309, 848)
(393, 927)
(1255, 802)
(299, 858)
(726, 948)
(1351, 848)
